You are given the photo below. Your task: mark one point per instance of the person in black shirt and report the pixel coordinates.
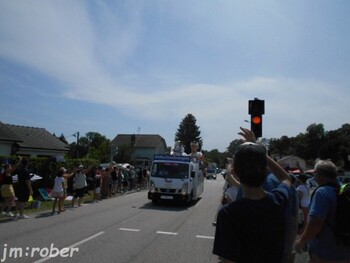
(252, 229)
(24, 190)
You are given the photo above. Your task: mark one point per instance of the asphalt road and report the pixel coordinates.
(126, 229)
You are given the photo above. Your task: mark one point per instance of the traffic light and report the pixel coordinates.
(256, 110)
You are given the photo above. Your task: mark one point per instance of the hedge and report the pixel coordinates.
(47, 168)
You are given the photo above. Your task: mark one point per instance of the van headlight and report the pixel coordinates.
(152, 187)
(184, 189)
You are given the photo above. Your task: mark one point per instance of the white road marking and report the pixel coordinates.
(74, 245)
(129, 229)
(205, 237)
(166, 233)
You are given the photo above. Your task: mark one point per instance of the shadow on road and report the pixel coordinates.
(167, 205)
(43, 215)
(7, 220)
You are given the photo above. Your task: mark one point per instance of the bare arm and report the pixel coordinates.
(248, 135)
(231, 180)
(278, 171)
(86, 171)
(67, 175)
(16, 165)
(29, 185)
(313, 227)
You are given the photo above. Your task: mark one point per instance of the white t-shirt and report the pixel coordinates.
(231, 192)
(80, 180)
(58, 184)
(305, 200)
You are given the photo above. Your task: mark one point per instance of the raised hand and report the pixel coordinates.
(247, 134)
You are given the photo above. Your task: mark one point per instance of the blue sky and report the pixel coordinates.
(141, 66)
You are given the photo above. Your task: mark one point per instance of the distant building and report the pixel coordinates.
(144, 145)
(30, 141)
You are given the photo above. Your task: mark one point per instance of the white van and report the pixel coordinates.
(175, 178)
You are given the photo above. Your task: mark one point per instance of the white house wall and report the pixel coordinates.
(39, 153)
(5, 148)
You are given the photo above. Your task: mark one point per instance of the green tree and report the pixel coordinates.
(214, 156)
(73, 151)
(63, 139)
(314, 143)
(101, 153)
(92, 146)
(336, 146)
(315, 137)
(233, 146)
(344, 150)
(84, 147)
(188, 131)
(95, 139)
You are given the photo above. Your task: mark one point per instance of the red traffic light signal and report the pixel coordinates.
(256, 125)
(256, 119)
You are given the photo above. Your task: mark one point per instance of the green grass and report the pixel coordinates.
(46, 206)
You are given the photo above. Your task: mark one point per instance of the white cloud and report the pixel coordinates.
(88, 51)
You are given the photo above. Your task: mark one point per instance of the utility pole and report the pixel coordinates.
(77, 135)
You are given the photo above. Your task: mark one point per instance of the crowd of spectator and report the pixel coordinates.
(103, 181)
(109, 180)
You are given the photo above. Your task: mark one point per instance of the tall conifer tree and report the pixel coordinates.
(188, 131)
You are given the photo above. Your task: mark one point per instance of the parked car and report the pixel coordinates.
(211, 173)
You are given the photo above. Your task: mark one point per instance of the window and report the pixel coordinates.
(170, 170)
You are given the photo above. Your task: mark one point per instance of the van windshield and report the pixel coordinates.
(170, 170)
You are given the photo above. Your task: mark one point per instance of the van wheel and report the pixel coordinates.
(189, 200)
(154, 201)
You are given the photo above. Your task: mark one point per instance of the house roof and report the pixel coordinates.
(140, 140)
(6, 134)
(31, 137)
